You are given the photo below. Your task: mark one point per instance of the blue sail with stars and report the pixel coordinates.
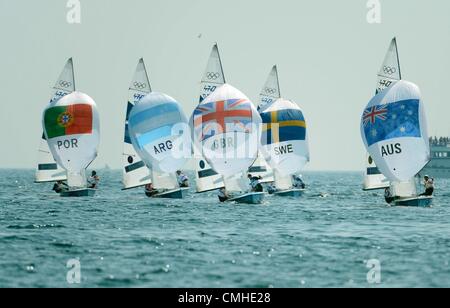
(393, 120)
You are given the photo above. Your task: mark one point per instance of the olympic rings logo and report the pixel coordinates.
(65, 84)
(140, 85)
(270, 91)
(389, 70)
(212, 76)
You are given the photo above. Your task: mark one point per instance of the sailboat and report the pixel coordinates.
(394, 131)
(269, 94)
(284, 139)
(72, 130)
(207, 179)
(226, 129)
(48, 169)
(389, 73)
(160, 135)
(135, 173)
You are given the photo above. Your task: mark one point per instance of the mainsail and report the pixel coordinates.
(389, 73)
(160, 135)
(394, 131)
(135, 172)
(285, 141)
(269, 94)
(47, 169)
(271, 91)
(72, 129)
(227, 128)
(206, 178)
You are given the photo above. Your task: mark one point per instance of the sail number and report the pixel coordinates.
(287, 149)
(68, 144)
(391, 149)
(222, 143)
(210, 89)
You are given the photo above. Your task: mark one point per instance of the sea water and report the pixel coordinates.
(334, 236)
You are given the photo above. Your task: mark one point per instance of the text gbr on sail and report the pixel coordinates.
(223, 143)
(391, 149)
(68, 144)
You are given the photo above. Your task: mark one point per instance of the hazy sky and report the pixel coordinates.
(328, 56)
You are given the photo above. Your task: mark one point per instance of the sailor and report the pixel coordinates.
(223, 195)
(60, 186)
(255, 185)
(93, 180)
(298, 182)
(183, 180)
(388, 195)
(271, 189)
(150, 190)
(429, 186)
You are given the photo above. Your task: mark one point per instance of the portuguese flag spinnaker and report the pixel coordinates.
(68, 120)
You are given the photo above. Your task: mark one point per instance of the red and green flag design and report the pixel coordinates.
(68, 120)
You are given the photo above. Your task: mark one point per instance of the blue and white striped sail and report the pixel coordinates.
(47, 169)
(206, 178)
(284, 138)
(394, 131)
(160, 133)
(135, 173)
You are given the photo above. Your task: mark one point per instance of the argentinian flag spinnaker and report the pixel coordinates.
(160, 133)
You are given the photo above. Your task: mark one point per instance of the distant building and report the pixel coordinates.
(439, 166)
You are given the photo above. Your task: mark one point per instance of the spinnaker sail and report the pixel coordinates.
(394, 131)
(160, 135)
(72, 129)
(135, 172)
(285, 140)
(226, 128)
(48, 169)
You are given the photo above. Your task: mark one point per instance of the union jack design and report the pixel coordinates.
(372, 114)
(219, 117)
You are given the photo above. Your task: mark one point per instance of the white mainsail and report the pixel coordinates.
(206, 178)
(47, 169)
(160, 135)
(227, 127)
(389, 73)
(135, 172)
(271, 91)
(269, 94)
(394, 131)
(72, 129)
